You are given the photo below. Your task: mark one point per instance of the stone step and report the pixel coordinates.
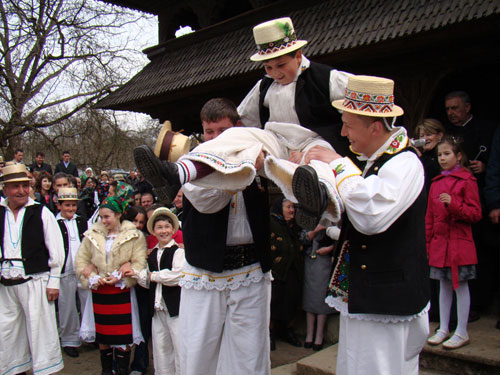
(290, 369)
(480, 357)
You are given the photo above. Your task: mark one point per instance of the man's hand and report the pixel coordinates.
(321, 153)
(477, 166)
(296, 157)
(52, 294)
(494, 215)
(259, 163)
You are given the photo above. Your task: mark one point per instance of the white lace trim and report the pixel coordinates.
(198, 278)
(338, 304)
(17, 272)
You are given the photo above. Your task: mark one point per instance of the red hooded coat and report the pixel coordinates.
(448, 227)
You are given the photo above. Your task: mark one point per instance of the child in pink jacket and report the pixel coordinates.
(453, 206)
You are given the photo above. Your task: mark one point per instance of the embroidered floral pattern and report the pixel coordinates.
(397, 144)
(339, 284)
(373, 103)
(338, 169)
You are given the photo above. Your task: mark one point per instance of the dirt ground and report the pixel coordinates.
(88, 363)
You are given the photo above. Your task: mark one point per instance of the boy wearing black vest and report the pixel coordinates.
(72, 228)
(380, 283)
(162, 278)
(291, 104)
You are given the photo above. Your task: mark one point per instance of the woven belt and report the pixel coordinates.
(239, 256)
(12, 282)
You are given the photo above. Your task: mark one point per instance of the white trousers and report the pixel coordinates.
(165, 343)
(225, 332)
(376, 348)
(233, 153)
(28, 330)
(69, 321)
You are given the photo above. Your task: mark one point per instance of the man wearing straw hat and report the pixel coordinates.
(292, 103)
(32, 257)
(380, 282)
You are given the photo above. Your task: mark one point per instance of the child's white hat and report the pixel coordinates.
(165, 212)
(275, 38)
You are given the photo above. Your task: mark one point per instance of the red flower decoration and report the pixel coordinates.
(353, 95)
(380, 99)
(395, 143)
(366, 98)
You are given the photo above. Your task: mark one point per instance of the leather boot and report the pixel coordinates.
(162, 174)
(311, 195)
(123, 359)
(107, 361)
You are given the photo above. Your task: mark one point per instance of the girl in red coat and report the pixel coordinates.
(453, 206)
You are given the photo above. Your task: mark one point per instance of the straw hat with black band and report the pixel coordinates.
(14, 173)
(275, 38)
(171, 145)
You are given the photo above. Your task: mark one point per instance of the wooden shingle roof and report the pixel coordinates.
(222, 52)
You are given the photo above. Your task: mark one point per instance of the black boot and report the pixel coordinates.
(107, 361)
(163, 175)
(311, 195)
(123, 359)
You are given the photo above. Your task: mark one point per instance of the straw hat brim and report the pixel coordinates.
(163, 211)
(170, 145)
(396, 110)
(299, 44)
(19, 179)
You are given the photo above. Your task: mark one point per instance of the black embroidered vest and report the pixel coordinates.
(81, 224)
(171, 294)
(388, 271)
(35, 255)
(205, 234)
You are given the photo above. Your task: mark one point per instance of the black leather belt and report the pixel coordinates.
(239, 256)
(12, 282)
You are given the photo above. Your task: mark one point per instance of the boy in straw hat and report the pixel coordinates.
(162, 277)
(292, 103)
(72, 228)
(380, 282)
(30, 268)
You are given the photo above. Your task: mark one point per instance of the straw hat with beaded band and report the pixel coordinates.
(159, 212)
(67, 194)
(369, 96)
(171, 145)
(14, 173)
(275, 38)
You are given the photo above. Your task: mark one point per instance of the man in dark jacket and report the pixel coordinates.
(39, 165)
(66, 166)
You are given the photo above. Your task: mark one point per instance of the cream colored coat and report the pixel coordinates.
(129, 246)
